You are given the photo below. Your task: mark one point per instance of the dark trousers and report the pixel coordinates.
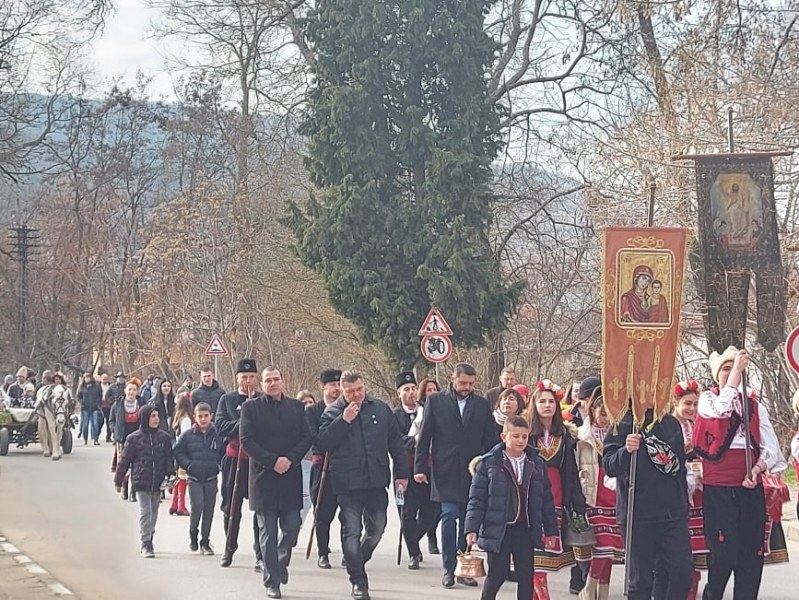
(278, 531)
(202, 496)
(106, 413)
(231, 507)
(453, 537)
(735, 521)
(324, 511)
(359, 510)
(666, 546)
(419, 515)
(517, 542)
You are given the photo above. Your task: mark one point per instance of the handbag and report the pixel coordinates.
(469, 565)
(578, 532)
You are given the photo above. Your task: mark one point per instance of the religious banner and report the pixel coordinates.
(642, 280)
(738, 238)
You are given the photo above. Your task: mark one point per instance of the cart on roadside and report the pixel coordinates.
(20, 427)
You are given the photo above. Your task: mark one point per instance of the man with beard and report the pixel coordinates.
(227, 424)
(325, 504)
(420, 513)
(275, 435)
(457, 426)
(360, 432)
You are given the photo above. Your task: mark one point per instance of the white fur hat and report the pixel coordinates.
(716, 360)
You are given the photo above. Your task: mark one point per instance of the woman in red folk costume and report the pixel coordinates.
(686, 399)
(555, 442)
(734, 501)
(600, 498)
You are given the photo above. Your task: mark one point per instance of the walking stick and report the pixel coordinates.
(322, 479)
(400, 498)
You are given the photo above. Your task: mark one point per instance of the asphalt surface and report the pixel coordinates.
(66, 516)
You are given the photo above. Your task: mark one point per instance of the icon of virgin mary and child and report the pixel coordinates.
(644, 301)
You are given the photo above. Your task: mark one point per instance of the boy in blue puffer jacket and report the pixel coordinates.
(199, 452)
(510, 510)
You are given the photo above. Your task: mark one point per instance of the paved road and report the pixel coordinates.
(66, 516)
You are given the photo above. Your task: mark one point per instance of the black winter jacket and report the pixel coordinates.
(199, 452)
(359, 450)
(493, 500)
(658, 497)
(209, 395)
(89, 396)
(148, 455)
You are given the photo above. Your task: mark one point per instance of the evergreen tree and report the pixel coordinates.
(401, 139)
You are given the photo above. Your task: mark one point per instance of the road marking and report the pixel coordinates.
(22, 559)
(35, 569)
(59, 590)
(9, 548)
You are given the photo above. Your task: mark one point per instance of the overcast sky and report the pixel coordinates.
(125, 48)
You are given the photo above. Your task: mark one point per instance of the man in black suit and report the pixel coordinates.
(420, 513)
(275, 435)
(457, 426)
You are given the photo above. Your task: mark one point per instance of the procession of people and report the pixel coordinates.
(537, 481)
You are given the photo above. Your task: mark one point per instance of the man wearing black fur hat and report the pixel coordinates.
(420, 513)
(325, 504)
(227, 424)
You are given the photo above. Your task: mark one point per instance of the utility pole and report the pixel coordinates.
(24, 239)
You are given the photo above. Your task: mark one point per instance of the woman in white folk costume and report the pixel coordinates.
(686, 400)
(600, 499)
(556, 444)
(734, 501)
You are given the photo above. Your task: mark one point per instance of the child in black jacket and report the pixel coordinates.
(199, 452)
(148, 455)
(510, 509)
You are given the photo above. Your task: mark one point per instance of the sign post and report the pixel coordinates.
(436, 344)
(216, 348)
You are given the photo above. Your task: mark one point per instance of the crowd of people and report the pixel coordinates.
(537, 477)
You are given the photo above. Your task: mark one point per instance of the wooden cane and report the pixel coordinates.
(322, 480)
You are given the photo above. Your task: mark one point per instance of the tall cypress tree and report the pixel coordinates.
(401, 139)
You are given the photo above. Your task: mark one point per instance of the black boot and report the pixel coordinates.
(124, 490)
(193, 545)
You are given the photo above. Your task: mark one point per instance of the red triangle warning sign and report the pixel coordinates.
(435, 324)
(216, 347)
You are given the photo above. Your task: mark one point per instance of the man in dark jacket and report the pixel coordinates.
(324, 500)
(89, 396)
(457, 426)
(275, 435)
(209, 391)
(148, 455)
(419, 513)
(507, 379)
(360, 432)
(660, 517)
(227, 424)
(199, 451)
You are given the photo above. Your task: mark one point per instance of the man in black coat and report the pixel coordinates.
(275, 435)
(456, 427)
(420, 513)
(209, 391)
(324, 500)
(360, 432)
(227, 424)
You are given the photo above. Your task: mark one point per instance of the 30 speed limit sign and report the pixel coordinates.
(436, 348)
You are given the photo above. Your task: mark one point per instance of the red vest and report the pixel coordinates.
(712, 438)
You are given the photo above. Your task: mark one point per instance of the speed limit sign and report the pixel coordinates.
(792, 350)
(436, 348)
